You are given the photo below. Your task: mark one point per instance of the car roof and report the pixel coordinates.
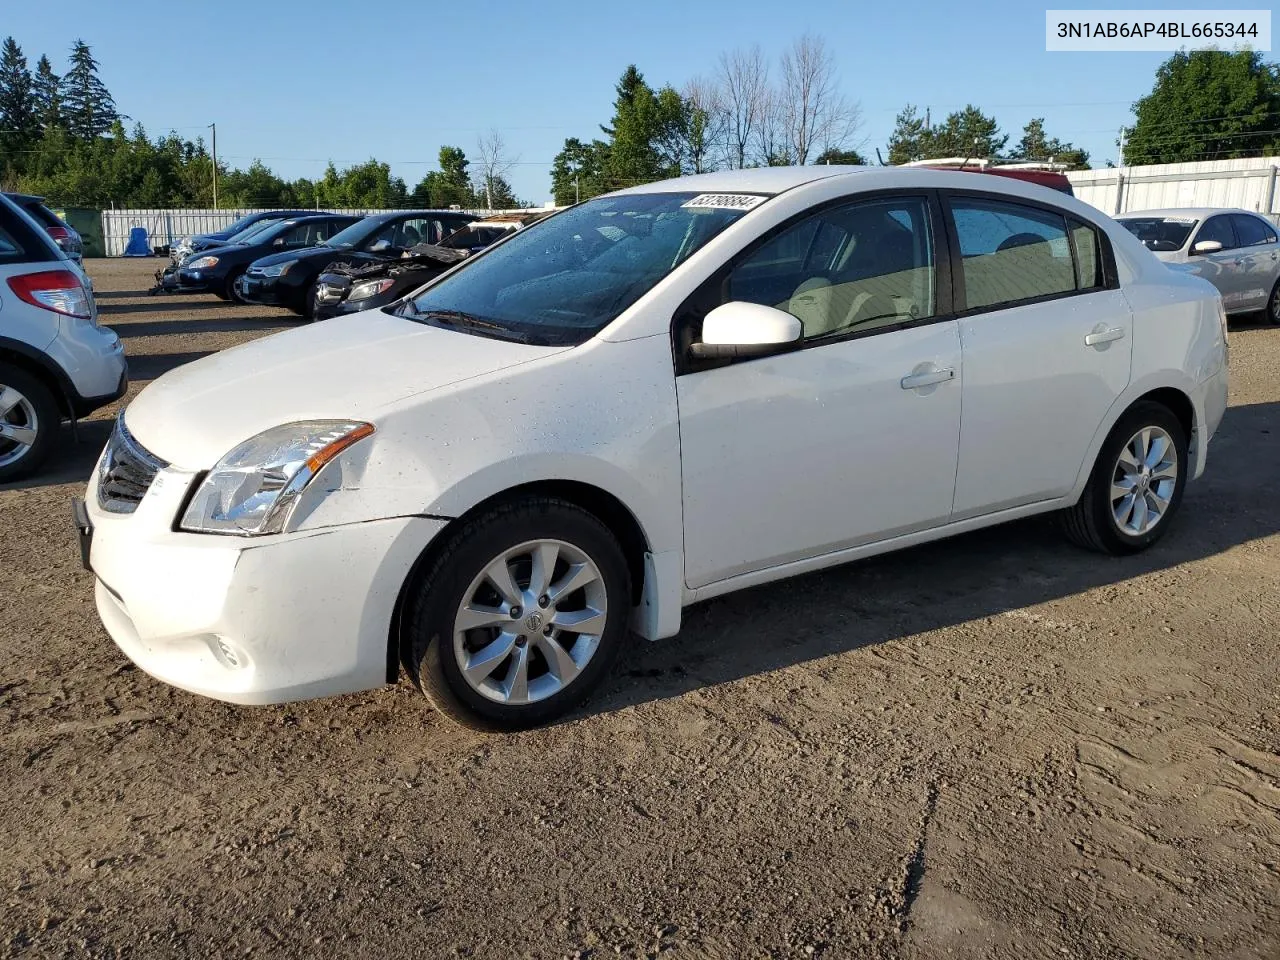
(753, 180)
(1199, 213)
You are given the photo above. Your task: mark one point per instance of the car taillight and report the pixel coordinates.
(58, 233)
(58, 290)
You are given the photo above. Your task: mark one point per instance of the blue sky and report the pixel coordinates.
(298, 84)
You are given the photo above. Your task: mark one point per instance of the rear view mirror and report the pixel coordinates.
(278, 242)
(740, 329)
(382, 246)
(1206, 246)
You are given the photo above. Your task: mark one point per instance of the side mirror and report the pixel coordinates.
(740, 329)
(1206, 246)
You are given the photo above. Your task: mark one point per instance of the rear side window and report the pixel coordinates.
(1252, 231)
(1011, 253)
(21, 239)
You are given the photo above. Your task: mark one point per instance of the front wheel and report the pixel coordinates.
(232, 289)
(520, 616)
(1136, 484)
(1273, 305)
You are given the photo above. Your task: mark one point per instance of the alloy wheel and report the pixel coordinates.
(19, 425)
(1143, 481)
(530, 621)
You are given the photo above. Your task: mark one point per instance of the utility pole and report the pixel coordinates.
(214, 128)
(1120, 174)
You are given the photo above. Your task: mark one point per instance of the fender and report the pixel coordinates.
(63, 389)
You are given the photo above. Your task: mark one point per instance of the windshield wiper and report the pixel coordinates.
(456, 318)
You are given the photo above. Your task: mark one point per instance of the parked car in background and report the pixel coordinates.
(56, 363)
(202, 241)
(288, 279)
(63, 234)
(1046, 174)
(217, 270)
(1235, 250)
(349, 287)
(654, 397)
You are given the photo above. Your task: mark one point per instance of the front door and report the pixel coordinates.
(1225, 268)
(848, 439)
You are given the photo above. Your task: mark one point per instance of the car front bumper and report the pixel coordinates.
(193, 281)
(266, 291)
(250, 620)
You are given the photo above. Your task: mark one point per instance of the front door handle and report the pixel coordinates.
(926, 378)
(1103, 336)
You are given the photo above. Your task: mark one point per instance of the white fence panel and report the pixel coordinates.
(166, 227)
(1248, 183)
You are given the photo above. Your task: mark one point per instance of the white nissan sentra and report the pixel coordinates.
(657, 396)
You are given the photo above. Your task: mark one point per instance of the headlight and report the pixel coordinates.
(277, 270)
(202, 263)
(255, 487)
(369, 288)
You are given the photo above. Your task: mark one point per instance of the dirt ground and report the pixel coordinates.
(997, 746)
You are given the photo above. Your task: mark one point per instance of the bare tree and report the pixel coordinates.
(813, 112)
(495, 162)
(744, 82)
(707, 123)
(772, 148)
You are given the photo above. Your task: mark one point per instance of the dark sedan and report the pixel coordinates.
(203, 241)
(218, 269)
(288, 278)
(344, 288)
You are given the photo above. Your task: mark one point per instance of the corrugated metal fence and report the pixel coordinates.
(1249, 183)
(165, 227)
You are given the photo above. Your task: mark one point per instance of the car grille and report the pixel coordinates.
(125, 471)
(327, 293)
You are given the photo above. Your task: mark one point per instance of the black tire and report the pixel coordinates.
(434, 600)
(229, 291)
(1272, 310)
(309, 304)
(48, 421)
(1091, 523)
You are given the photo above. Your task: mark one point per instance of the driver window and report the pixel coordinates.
(845, 270)
(1218, 228)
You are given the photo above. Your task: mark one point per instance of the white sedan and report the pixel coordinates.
(655, 397)
(1235, 250)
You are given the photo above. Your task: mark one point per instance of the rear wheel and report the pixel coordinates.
(29, 421)
(1136, 485)
(520, 616)
(1273, 304)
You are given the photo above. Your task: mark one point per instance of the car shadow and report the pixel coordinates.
(158, 305)
(967, 578)
(164, 328)
(72, 459)
(152, 365)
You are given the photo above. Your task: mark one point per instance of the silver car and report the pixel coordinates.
(1233, 249)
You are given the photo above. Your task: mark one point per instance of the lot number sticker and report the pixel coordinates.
(725, 201)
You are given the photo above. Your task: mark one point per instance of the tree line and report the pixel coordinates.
(62, 136)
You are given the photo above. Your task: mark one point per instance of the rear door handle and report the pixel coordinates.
(1103, 336)
(926, 378)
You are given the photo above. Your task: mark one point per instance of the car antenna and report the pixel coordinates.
(880, 158)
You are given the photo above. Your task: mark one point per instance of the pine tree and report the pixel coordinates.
(47, 95)
(18, 124)
(86, 103)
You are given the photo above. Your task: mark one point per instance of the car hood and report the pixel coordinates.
(351, 367)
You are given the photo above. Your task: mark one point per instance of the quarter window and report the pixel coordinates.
(1251, 230)
(1088, 262)
(849, 269)
(1011, 253)
(1218, 228)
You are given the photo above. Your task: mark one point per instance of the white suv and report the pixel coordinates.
(651, 398)
(56, 363)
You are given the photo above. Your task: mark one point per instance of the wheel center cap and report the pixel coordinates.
(533, 622)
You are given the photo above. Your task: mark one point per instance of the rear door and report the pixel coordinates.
(1046, 337)
(1258, 257)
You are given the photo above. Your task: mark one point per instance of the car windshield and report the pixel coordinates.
(1160, 233)
(562, 280)
(252, 230)
(241, 224)
(358, 232)
(475, 236)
